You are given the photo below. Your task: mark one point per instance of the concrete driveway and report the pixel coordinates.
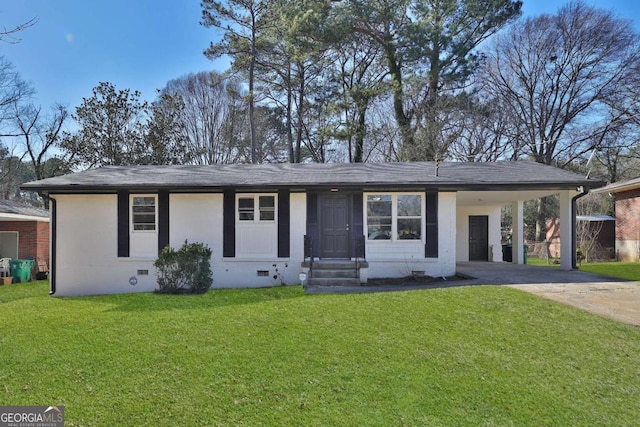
(606, 296)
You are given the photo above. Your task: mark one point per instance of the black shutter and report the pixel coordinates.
(229, 224)
(123, 224)
(357, 226)
(284, 227)
(431, 247)
(163, 220)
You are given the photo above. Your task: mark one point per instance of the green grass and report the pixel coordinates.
(623, 270)
(482, 355)
(543, 262)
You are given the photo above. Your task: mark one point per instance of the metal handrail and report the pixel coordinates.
(359, 250)
(308, 252)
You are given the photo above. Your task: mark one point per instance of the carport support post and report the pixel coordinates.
(566, 229)
(517, 233)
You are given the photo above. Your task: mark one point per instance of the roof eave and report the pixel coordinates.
(345, 186)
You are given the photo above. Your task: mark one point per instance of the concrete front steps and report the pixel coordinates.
(334, 273)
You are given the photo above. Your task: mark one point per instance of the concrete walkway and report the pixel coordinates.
(606, 296)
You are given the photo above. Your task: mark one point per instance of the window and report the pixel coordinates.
(256, 208)
(245, 209)
(267, 206)
(409, 218)
(379, 217)
(143, 213)
(394, 217)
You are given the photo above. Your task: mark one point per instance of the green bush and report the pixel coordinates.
(186, 270)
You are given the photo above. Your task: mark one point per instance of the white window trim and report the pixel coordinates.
(394, 218)
(256, 208)
(131, 228)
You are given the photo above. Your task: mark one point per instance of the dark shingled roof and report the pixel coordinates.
(13, 207)
(451, 176)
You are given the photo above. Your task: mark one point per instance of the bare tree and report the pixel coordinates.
(39, 133)
(212, 116)
(588, 229)
(557, 74)
(8, 35)
(13, 91)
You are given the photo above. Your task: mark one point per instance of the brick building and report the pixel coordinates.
(24, 231)
(599, 228)
(626, 195)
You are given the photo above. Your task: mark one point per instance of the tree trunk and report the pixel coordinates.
(403, 121)
(359, 134)
(292, 156)
(252, 65)
(541, 220)
(301, 95)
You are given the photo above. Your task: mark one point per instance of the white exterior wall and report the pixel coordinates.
(87, 261)
(401, 258)
(87, 248)
(462, 236)
(86, 239)
(196, 218)
(241, 271)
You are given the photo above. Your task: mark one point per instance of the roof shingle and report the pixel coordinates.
(451, 175)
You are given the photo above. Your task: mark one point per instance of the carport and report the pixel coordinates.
(474, 208)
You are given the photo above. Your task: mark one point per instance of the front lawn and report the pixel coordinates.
(483, 355)
(623, 270)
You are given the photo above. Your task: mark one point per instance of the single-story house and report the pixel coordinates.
(626, 196)
(24, 231)
(268, 223)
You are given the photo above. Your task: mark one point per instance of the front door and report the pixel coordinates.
(479, 238)
(334, 226)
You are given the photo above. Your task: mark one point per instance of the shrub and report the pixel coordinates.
(186, 270)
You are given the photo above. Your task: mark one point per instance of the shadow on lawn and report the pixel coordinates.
(18, 291)
(211, 299)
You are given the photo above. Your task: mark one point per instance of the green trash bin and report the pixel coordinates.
(21, 270)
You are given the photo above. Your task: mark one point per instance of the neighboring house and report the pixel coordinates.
(24, 231)
(626, 195)
(265, 222)
(600, 228)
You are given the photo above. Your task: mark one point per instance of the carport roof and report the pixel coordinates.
(451, 176)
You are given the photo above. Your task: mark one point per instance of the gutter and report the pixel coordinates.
(53, 246)
(574, 245)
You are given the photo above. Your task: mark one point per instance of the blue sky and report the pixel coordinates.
(135, 44)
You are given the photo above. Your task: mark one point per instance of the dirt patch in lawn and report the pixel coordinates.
(617, 300)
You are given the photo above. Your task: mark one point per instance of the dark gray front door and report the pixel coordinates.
(479, 238)
(334, 226)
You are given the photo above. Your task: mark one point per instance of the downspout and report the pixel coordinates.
(574, 245)
(52, 244)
